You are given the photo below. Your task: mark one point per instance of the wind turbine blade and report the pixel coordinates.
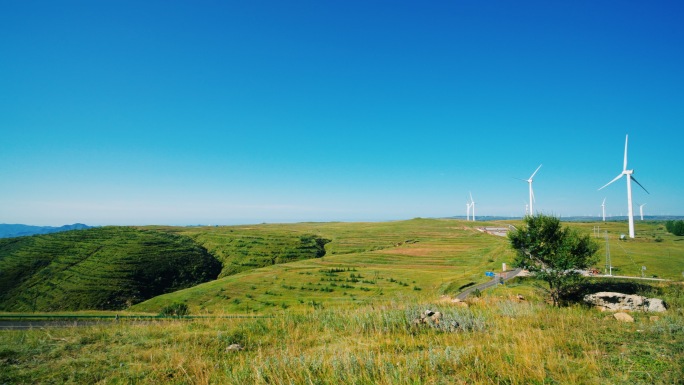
(624, 167)
(471, 197)
(535, 172)
(520, 179)
(616, 178)
(604, 202)
(637, 182)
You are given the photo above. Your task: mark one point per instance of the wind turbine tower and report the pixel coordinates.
(529, 182)
(603, 209)
(641, 210)
(467, 211)
(630, 178)
(472, 204)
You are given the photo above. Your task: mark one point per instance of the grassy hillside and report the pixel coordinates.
(364, 262)
(242, 248)
(102, 268)
(499, 340)
(270, 267)
(659, 251)
(420, 258)
(347, 317)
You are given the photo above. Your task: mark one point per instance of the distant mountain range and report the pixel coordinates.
(11, 231)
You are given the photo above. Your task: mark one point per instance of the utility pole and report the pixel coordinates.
(609, 266)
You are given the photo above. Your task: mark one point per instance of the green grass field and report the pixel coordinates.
(653, 247)
(417, 258)
(243, 248)
(420, 258)
(346, 317)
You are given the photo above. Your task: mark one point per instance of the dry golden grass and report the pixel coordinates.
(499, 341)
(365, 337)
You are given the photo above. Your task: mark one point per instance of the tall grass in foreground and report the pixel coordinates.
(498, 341)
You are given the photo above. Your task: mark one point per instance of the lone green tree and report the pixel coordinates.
(553, 253)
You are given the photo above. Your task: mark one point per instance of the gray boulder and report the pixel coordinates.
(618, 301)
(428, 317)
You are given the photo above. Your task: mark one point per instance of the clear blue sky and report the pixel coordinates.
(227, 112)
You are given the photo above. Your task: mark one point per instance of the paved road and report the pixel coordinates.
(630, 277)
(24, 325)
(16, 322)
(493, 282)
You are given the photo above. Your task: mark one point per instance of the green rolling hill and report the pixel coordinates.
(263, 268)
(364, 262)
(419, 258)
(243, 248)
(344, 317)
(101, 268)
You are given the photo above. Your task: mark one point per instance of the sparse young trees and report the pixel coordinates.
(555, 254)
(675, 227)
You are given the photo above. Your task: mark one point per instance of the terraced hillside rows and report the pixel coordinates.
(348, 317)
(272, 267)
(102, 268)
(242, 248)
(364, 262)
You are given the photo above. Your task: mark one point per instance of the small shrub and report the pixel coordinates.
(175, 309)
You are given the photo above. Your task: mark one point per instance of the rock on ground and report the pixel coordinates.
(623, 317)
(234, 348)
(617, 301)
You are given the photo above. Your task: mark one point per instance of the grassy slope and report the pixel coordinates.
(664, 259)
(103, 268)
(242, 248)
(420, 257)
(500, 340)
(366, 338)
(416, 258)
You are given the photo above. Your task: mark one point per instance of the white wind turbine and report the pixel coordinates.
(603, 209)
(641, 210)
(472, 204)
(529, 181)
(467, 210)
(630, 178)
